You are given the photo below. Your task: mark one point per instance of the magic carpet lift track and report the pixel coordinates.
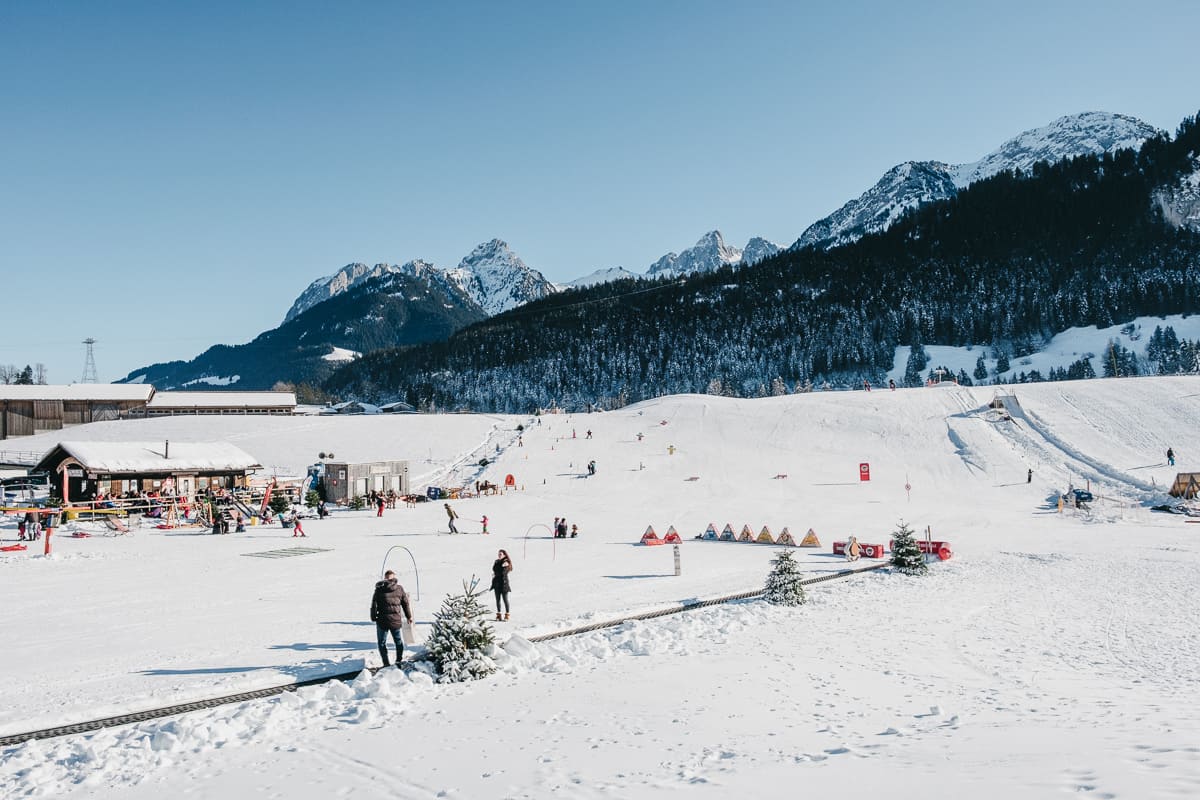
(257, 694)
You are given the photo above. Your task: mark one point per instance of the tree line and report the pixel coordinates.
(1005, 264)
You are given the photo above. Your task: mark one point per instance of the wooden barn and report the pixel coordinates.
(171, 403)
(26, 410)
(180, 468)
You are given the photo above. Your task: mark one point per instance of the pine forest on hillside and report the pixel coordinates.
(1007, 262)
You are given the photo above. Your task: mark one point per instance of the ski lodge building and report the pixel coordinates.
(81, 470)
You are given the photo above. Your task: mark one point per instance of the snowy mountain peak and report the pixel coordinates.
(497, 279)
(708, 254)
(914, 183)
(758, 249)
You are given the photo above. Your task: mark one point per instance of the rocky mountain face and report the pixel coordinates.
(1180, 201)
(711, 253)
(492, 276)
(915, 183)
(497, 279)
(757, 249)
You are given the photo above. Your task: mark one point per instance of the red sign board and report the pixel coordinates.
(864, 471)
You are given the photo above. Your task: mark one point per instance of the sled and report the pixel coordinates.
(12, 548)
(406, 632)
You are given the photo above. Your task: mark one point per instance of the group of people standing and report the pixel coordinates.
(560, 528)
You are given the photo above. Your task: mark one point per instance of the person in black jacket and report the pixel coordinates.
(500, 569)
(389, 610)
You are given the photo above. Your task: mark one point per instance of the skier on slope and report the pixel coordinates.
(1170, 457)
(452, 515)
(389, 610)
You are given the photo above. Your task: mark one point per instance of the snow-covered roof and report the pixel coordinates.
(147, 457)
(165, 400)
(77, 391)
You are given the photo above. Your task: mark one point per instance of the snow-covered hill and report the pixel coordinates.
(913, 183)
(1047, 629)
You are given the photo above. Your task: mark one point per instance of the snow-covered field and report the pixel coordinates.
(1054, 654)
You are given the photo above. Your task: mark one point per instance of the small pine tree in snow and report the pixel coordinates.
(783, 581)
(906, 553)
(461, 638)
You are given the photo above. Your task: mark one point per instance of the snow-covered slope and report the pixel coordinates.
(1046, 629)
(497, 279)
(913, 183)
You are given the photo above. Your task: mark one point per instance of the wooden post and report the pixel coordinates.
(676, 548)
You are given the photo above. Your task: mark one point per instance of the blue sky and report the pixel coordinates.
(173, 174)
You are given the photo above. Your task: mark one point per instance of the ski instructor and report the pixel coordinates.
(389, 610)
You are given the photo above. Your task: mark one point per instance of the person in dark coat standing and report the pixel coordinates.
(389, 610)
(500, 586)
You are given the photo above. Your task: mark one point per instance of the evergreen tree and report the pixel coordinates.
(906, 553)
(783, 581)
(980, 372)
(26, 377)
(461, 638)
(917, 360)
(1002, 364)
